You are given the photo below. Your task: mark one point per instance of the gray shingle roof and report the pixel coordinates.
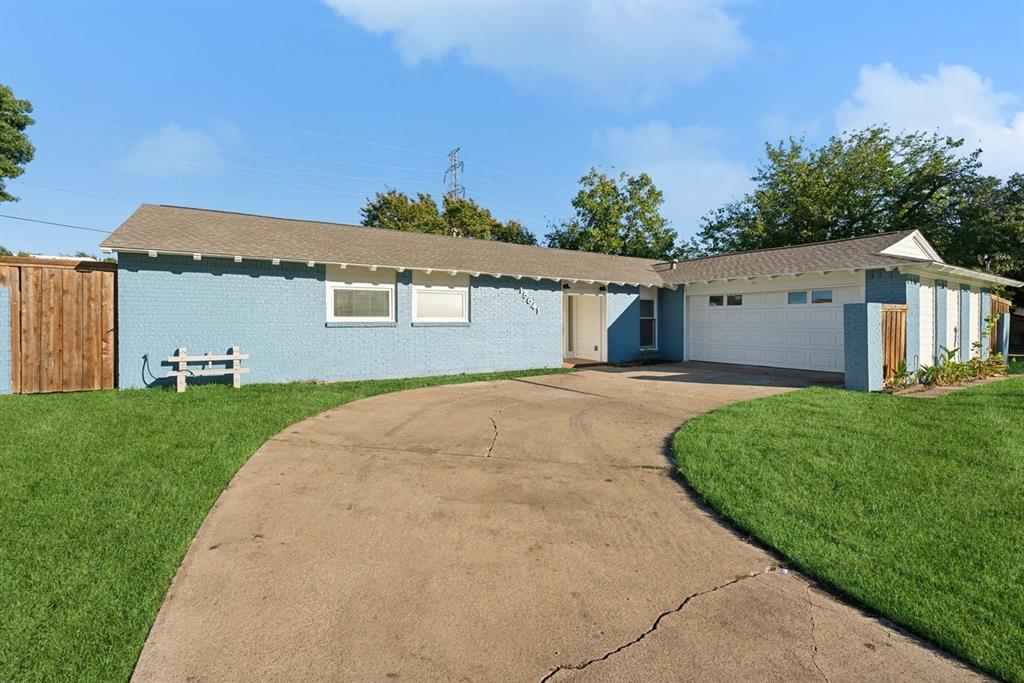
(181, 230)
(857, 252)
(170, 229)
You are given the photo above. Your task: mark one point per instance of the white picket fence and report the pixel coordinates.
(182, 371)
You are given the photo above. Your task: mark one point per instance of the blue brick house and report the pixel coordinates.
(320, 301)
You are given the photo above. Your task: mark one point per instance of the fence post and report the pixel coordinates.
(182, 368)
(236, 363)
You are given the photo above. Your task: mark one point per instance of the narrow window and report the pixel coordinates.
(648, 318)
(360, 295)
(821, 296)
(797, 298)
(734, 299)
(716, 300)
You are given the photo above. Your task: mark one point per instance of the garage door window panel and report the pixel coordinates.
(734, 300)
(797, 298)
(821, 296)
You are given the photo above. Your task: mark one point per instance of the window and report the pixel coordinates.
(648, 318)
(440, 298)
(360, 295)
(716, 300)
(797, 298)
(734, 299)
(821, 296)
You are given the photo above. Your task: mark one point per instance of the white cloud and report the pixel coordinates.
(620, 51)
(955, 101)
(686, 165)
(174, 151)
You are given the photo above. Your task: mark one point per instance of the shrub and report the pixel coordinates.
(950, 371)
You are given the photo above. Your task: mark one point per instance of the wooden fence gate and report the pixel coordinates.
(894, 338)
(63, 324)
(999, 306)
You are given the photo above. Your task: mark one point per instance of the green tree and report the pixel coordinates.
(4, 251)
(616, 216)
(15, 148)
(872, 181)
(460, 217)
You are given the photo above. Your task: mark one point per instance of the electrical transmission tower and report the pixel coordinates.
(455, 188)
(451, 176)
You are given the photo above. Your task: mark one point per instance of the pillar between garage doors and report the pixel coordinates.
(862, 346)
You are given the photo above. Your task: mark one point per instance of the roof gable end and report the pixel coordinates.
(913, 246)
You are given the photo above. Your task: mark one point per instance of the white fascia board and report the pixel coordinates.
(936, 270)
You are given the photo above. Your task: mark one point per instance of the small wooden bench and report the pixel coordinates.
(182, 359)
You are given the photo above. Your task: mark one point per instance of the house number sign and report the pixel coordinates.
(528, 298)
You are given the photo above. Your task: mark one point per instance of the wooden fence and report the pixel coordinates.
(999, 307)
(894, 338)
(63, 324)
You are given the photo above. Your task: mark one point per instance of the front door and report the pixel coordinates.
(588, 331)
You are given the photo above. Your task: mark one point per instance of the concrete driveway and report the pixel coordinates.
(520, 530)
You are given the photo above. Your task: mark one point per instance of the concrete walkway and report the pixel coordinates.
(521, 530)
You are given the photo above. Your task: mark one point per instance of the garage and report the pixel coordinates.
(785, 322)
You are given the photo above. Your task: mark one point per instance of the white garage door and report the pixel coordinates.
(796, 328)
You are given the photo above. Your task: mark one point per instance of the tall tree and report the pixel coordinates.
(395, 210)
(871, 181)
(15, 148)
(616, 216)
(4, 251)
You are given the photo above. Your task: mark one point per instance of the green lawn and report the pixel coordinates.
(101, 494)
(912, 507)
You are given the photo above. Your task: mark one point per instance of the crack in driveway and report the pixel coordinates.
(494, 439)
(654, 627)
(814, 634)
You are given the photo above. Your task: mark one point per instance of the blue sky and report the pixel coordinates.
(304, 109)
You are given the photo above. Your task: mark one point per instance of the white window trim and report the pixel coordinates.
(655, 319)
(362, 287)
(463, 291)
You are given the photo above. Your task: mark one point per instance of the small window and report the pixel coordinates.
(734, 300)
(648, 319)
(821, 296)
(357, 295)
(362, 303)
(440, 298)
(797, 298)
(716, 300)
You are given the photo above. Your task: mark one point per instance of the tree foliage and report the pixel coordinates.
(15, 148)
(4, 251)
(872, 181)
(616, 216)
(394, 210)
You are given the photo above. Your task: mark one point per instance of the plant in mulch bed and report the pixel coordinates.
(949, 371)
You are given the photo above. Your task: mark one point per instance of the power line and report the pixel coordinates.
(64, 189)
(337, 137)
(58, 225)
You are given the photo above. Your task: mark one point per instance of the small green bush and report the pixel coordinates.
(950, 371)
